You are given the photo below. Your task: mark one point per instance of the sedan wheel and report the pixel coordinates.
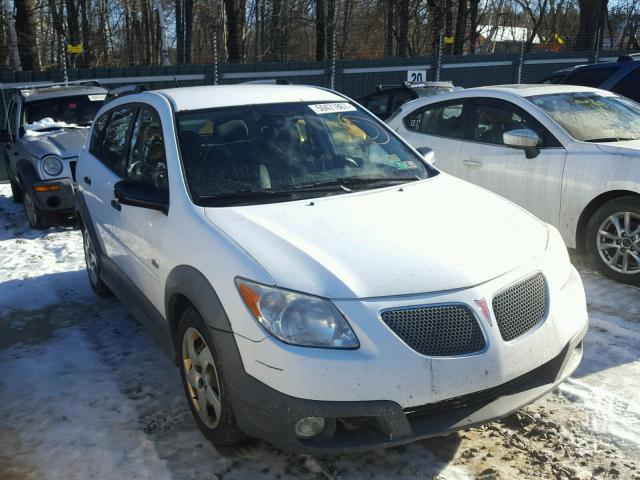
(201, 376)
(619, 242)
(613, 239)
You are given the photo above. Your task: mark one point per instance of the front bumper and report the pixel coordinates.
(265, 413)
(60, 200)
(391, 394)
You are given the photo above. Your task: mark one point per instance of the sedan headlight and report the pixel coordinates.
(295, 318)
(52, 165)
(557, 257)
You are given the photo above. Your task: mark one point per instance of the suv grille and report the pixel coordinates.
(441, 330)
(521, 307)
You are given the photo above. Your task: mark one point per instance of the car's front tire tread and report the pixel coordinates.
(618, 205)
(226, 433)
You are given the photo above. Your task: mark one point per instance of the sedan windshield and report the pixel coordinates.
(280, 152)
(591, 117)
(61, 112)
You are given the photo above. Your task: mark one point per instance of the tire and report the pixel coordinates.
(203, 381)
(94, 269)
(16, 191)
(37, 219)
(613, 239)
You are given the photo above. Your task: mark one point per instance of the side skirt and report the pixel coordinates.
(137, 304)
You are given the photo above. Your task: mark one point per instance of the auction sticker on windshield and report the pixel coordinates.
(332, 107)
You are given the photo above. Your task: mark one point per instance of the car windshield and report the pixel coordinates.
(280, 152)
(592, 117)
(61, 112)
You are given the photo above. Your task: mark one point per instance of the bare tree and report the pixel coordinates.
(26, 27)
(235, 15)
(592, 15)
(9, 19)
(321, 30)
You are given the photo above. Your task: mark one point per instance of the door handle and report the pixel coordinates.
(472, 163)
(116, 205)
(87, 180)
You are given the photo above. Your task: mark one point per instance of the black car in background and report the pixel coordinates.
(621, 77)
(387, 98)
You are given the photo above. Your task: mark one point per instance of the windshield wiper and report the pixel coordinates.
(351, 182)
(609, 139)
(244, 194)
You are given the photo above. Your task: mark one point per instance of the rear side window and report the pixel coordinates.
(114, 142)
(442, 119)
(590, 77)
(629, 85)
(98, 133)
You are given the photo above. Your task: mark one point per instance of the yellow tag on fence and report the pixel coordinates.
(74, 48)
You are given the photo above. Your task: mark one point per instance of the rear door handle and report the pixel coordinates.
(472, 163)
(87, 180)
(116, 205)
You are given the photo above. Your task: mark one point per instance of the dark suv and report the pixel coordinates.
(621, 77)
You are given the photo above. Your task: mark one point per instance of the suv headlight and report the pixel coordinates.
(295, 318)
(52, 165)
(557, 257)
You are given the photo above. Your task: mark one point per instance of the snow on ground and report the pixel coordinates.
(85, 393)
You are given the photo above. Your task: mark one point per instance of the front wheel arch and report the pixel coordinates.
(591, 208)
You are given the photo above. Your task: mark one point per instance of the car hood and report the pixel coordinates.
(66, 142)
(629, 147)
(434, 235)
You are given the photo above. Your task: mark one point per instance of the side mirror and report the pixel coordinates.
(524, 139)
(143, 195)
(428, 154)
(4, 136)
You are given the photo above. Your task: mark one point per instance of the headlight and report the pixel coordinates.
(51, 165)
(557, 257)
(297, 319)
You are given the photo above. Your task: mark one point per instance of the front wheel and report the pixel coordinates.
(37, 218)
(203, 382)
(613, 239)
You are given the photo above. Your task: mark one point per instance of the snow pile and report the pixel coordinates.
(33, 129)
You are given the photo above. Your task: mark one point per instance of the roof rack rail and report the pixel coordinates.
(36, 86)
(125, 90)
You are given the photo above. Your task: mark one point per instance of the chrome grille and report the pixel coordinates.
(441, 330)
(521, 307)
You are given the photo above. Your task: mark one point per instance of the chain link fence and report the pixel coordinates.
(351, 77)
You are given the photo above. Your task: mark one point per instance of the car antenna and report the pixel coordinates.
(176, 80)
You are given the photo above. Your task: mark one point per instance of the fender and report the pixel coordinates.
(191, 283)
(26, 173)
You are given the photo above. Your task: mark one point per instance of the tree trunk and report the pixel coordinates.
(403, 28)
(461, 26)
(388, 31)
(86, 34)
(235, 14)
(179, 32)
(26, 30)
(448, 25)
(321, 30)
(591, 20)
(13, 36)
(188, 31)
(473, 32)
(162, 23)
(331, 26)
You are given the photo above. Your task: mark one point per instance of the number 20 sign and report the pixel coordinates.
(416, 76)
